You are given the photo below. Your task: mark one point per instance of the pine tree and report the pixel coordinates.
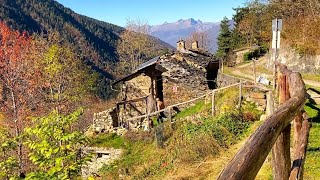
(224, 39)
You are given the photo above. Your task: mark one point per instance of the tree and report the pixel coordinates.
(9, 163)
(66, 80)
(133, 46)
(202, 38)
(224, 40)
(254, 23)
(17, 76)
(54, 148)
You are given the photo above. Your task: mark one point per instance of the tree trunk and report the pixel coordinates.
(17, 129)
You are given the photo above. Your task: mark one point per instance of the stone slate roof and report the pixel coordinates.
(185, 69)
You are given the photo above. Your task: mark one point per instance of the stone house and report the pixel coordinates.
(171, 78)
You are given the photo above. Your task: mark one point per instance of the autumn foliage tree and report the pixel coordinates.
(301, 19)
(66, 80)
(37, 75)
(17, 75)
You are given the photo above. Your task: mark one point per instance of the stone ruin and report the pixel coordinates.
(101, 157)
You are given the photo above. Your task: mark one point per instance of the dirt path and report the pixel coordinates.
(238, 71)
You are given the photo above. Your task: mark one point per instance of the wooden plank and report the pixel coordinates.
(249, 159)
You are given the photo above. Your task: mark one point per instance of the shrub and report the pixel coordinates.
(234, 123)
(247, 56)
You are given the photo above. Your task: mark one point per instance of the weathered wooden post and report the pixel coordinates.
(270, 104)
(213, 103)
(169, 113)
(301, 149)
(254, 70)
(297, 125)
(281, 162)
(240, 94)
(159, 135)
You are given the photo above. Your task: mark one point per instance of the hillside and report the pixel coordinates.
(94, 39)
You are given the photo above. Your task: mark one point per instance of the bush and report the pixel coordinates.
(247, 56)
(255, 53)
(234, 123)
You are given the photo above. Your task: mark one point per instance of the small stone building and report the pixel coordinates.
(171, 78)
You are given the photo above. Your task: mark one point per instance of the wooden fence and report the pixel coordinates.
(274, 134)
(169, 109)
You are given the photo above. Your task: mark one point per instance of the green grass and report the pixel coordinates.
(198, 107)
(313, 77)
(108, 141)
(312, 164)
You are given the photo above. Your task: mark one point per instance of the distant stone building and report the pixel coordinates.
(195, 45)
(181, 45)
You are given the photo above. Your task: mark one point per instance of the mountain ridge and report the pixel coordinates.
(182, 29)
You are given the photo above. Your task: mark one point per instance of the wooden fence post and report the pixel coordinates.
(254, 71)
(169, 113)
(249, 159)
(297, 125)
(301, 149)
(159, 135)
(281, 161)
(270, 103)
(213, 103)
(240, 94)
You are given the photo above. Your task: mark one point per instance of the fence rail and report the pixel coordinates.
(168, 108)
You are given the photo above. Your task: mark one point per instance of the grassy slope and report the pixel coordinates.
(312, 164)
(190, 150)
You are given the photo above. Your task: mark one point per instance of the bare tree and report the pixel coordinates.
(133, 45)
(202, 38)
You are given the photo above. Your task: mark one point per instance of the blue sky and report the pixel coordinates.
(154, 11)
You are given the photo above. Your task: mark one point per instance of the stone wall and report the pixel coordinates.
(226, 80)
(296, 62)
(101, 157)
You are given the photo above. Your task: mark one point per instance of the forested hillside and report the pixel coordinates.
(95, 40)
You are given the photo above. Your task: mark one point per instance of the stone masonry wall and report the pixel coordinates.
(101, 157)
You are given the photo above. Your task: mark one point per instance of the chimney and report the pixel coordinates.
(181, 45)
(195, 45)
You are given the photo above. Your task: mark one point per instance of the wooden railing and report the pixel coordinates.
(169, 108)
(273, 133)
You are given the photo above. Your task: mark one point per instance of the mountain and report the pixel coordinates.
(182, 29)
(95, 39)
